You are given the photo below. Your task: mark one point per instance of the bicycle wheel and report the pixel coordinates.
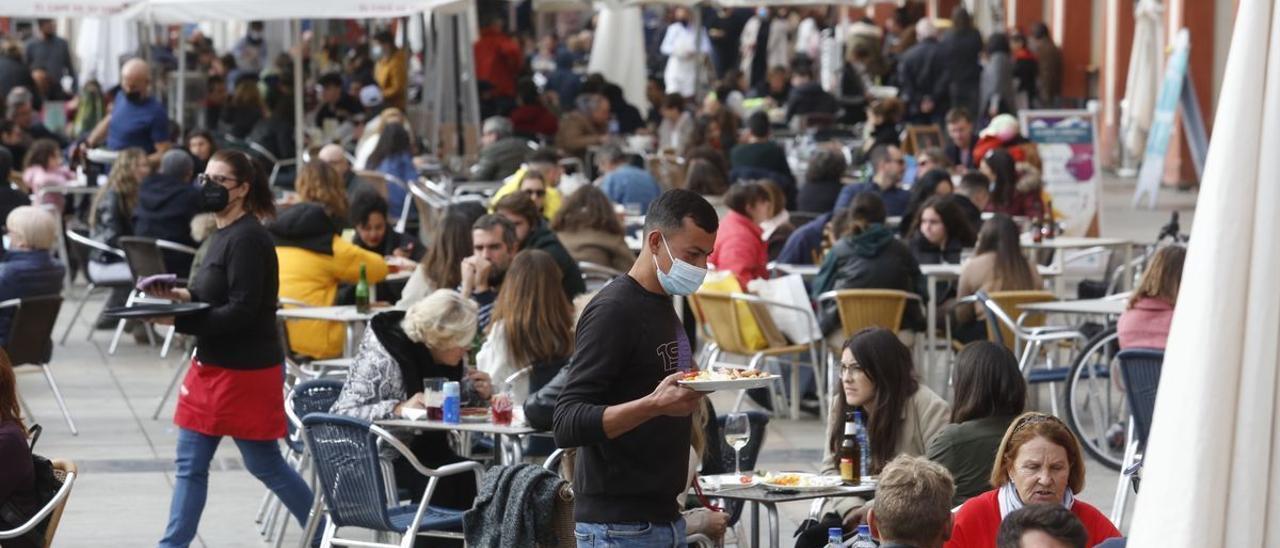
(1095, 404)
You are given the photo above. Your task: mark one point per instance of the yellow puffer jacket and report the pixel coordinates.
(313, 278)
(550, 203)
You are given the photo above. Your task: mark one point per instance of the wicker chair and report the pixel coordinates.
(66, 472)
(723, 318)
(1011, 301)
(863, 308)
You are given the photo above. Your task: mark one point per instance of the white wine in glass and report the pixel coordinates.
(737, 432)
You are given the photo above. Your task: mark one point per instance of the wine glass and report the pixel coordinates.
(737, 432)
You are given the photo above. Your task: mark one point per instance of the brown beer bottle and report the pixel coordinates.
(850, 459)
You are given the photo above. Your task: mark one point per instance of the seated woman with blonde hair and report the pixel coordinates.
(1145, 324)
(27, 269)
(400, 349)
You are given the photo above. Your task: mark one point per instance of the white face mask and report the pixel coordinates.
(376, 52)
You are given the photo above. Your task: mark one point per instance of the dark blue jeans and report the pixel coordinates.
(261, 458)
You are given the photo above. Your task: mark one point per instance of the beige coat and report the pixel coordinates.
(594, 246)
(978, 273)
(576, 134)
(921, 419)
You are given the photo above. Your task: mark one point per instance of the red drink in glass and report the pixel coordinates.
(500, 408)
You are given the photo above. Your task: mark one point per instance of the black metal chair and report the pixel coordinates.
(1140, 370)
(146, 258)
(30, 342)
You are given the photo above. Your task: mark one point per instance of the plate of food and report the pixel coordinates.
(474, 414)
(799, 481)
(713, 379)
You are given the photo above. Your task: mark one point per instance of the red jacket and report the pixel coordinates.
(741, 249)
(978, 521)
(1145, 324)
(534, 120)
(498, 61)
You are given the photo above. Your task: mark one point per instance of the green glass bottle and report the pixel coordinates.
(362, 293)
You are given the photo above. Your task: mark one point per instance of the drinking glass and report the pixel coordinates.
(433, 397)
(737, 432)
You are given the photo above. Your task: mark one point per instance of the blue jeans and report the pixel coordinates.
(630, 535)
(262, 458)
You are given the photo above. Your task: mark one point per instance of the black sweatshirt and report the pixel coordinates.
(239, 279)
(627, 341)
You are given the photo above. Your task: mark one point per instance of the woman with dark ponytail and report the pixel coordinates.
(234, 385)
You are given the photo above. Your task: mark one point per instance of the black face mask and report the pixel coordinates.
(213, 197)
(135, 97)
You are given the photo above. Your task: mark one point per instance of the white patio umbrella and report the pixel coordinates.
(1212, 473)
(618, 51)
(1142, 85)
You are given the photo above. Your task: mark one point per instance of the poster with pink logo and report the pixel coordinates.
(1067, 143)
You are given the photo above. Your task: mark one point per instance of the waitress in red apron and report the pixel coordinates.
(233, 388)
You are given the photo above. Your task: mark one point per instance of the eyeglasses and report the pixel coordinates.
(220, 179)
(537, 193)
(847, 369)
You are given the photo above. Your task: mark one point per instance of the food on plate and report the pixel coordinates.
(474, 412)
(801, 481)
(724, 375)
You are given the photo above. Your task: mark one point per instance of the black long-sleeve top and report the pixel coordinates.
(240, 279)
(628, 340)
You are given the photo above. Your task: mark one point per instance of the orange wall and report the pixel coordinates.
(1117, 13)
(1021, 14)
(1076, 41)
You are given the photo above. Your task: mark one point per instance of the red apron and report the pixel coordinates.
(244, 404)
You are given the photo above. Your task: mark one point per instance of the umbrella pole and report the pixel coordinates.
(182, 79)
(295, 26)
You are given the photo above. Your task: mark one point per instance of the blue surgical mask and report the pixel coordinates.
(684, 278)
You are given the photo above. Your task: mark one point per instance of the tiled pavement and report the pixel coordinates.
(125, 458)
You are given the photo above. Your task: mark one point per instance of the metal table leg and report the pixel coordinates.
(932, 337)
(755, 524)
(349, 345)
(773, 524)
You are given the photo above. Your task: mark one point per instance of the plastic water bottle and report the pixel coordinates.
(864, 446)
(835, 538)
(452, 403)
(863, 538)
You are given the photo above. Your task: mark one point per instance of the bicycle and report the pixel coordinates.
(1096, 410)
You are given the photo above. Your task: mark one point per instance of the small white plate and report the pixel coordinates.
(735, 384)
(413, 413)
(728, 481)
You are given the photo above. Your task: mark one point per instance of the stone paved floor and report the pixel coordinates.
(125, 457)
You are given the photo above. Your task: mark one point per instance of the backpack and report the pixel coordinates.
(45, 486)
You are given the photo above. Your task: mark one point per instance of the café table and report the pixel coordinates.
(806, 271)
(758, 496)
(508, 434)
(346, 315)
(1109, 306)
(1063, 243)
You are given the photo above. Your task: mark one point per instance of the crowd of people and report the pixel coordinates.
(496, 287)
